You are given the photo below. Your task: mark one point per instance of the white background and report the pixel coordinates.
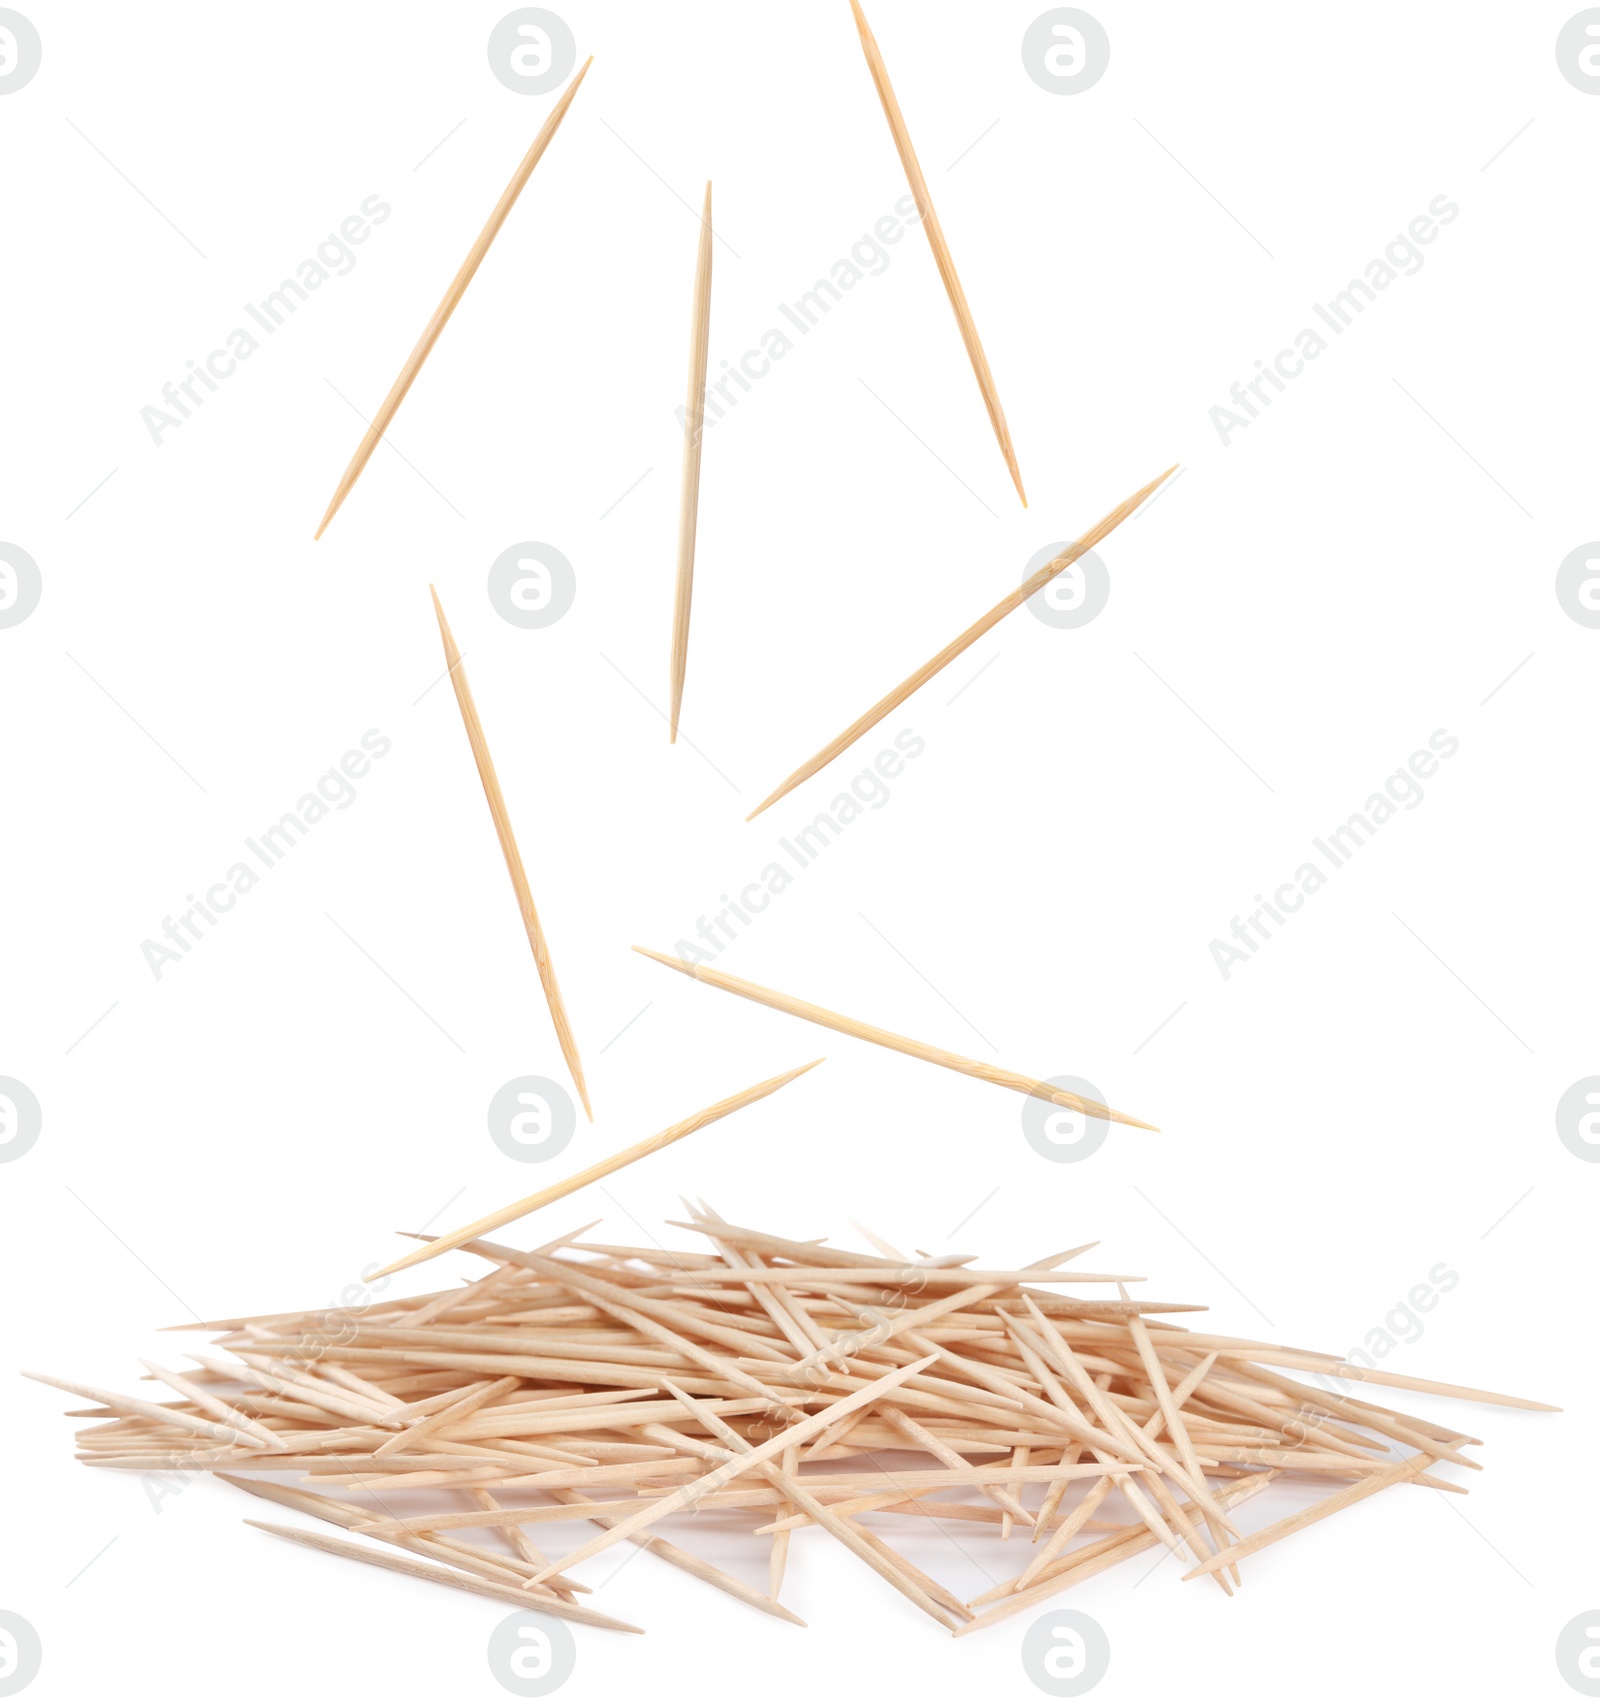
(1362, 1100)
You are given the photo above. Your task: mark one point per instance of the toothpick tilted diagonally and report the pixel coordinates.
(941, 249)
(513, 858)
(959, 644)
(693, 438)
(888, 1039)
(447, 306)
(516, 1210)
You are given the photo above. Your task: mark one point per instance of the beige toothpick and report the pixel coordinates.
(941, 249)
(888, 1039)
(693, 438)
(969, 636)
(513, 858)
(623, 1158)
(452, 296)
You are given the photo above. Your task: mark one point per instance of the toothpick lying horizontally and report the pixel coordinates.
(508, 847)
(959, 644)
(694, 436)
(888, 1039)
(941, 249)
(452, 296)
(623, 1158)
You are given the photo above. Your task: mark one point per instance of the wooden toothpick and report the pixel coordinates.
(1331, 1506)
(513, 858)
(941, 249)
(623, 1158)
(546, 1602)
(917, 678)
(694, 435)
(888, 1039)
(452, 296)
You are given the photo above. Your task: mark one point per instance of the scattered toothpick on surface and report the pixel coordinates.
(513, 858)
(693, 439)
(941, 249)
(623, 1158)
(888, 1039)
(450, 300)
(918, 678)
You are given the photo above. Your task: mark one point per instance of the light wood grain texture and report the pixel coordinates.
(452, 296)
(718, 1478)
(547, 1603)
(941, 248)
(513, 858)
(1102, 1555)
(693, 440)
(888, 1039)
(919, 677)
(612, 1163)
(1362, 1489)
(697, 1567)
(761, 1387)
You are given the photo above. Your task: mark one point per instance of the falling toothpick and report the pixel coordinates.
(888, 1039)
(623, 1158)
(960, 643)
(941, 249)
(452, 296)
(694, 434)
(508, 846)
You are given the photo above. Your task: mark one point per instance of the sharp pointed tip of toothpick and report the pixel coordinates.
(665, 959)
